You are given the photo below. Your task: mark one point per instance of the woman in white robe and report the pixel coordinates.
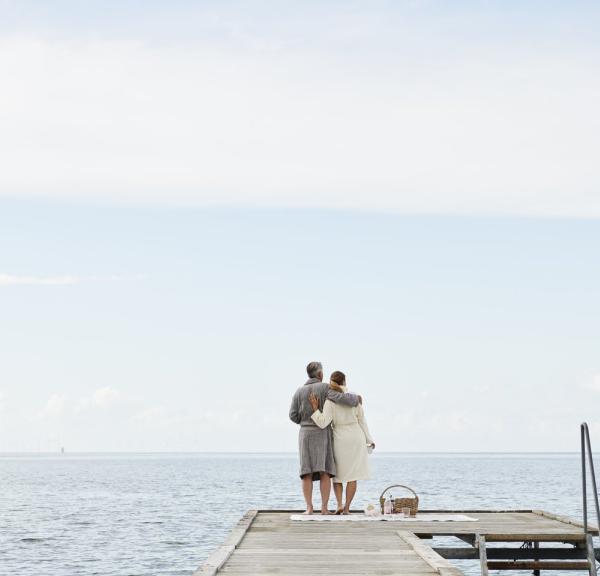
(351, 437)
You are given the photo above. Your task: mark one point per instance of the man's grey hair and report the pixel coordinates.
(313, 369)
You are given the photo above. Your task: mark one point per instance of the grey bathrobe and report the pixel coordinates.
(316, 444)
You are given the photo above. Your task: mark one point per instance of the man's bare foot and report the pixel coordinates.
(308, 511)
(339, 511)
(325, 512)
(346, 511)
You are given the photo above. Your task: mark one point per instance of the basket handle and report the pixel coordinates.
(397, 486)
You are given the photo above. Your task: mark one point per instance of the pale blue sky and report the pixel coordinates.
(196, 199)
(195, 326)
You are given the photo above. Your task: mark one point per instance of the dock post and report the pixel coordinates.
(482, 555)
(591, 554)
(536, 572)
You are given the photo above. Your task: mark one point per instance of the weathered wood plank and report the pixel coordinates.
(270, 543)
(591, 528)
(513, 553)
(437, 563)
(536, 537)
(541, 565)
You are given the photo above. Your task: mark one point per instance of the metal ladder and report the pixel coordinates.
(586, 451)
(586, 548)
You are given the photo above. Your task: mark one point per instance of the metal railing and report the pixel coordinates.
(586, 448)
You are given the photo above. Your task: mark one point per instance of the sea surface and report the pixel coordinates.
(155, 514)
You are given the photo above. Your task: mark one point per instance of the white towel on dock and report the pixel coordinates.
(425, 517)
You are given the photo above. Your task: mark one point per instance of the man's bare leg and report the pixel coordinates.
(350, 492)
(338, 490)
(325, 485)
(307, 490)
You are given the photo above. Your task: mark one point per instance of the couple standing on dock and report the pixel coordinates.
(333, 442)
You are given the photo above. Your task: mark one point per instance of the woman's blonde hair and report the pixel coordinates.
(337, 380)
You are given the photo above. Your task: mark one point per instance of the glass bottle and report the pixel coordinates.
(386, 506)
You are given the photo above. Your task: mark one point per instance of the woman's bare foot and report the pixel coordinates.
(308, 511)
(346, 511)
(325, 512)
(339, 511)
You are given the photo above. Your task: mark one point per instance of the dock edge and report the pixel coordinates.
(217, 559)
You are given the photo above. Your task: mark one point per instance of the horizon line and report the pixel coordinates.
(291, 453)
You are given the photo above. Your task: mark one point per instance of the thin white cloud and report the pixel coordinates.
(104, 397)
(24, 280)
(150, 415)
(159, 416)
(16, 280)
(482, 128)
(593, 383)
(54, 407)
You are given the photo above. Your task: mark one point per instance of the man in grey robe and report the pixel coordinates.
(316, 444)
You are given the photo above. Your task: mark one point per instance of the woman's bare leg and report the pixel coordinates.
(325, 491)
(338, 490)
(350, 492)
(307, 489)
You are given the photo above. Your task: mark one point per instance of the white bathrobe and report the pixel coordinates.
(350, 439)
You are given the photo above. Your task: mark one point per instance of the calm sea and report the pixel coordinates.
(154, 514)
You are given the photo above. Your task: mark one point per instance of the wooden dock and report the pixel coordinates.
(269, 542)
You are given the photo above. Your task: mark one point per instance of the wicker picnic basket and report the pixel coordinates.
(399, 503)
